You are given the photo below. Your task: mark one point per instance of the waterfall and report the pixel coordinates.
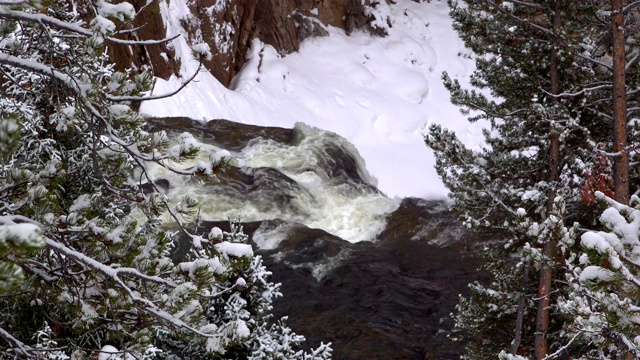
(317, 179)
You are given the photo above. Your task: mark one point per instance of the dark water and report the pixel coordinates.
(389, 298)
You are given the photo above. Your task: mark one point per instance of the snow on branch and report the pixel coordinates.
(184, 83)
(630, 6)
(502, 10)
(71, 82)
(74, 28)
(581, 92)
(597, 62)
(114, 274)
(13, 2)
(18, 346)
(39, 68)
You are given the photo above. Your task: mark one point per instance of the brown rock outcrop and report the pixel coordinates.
(229, 27)
(148, 25)
(160, 58)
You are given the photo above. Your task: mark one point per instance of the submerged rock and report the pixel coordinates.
(391, 298)
(427, 221)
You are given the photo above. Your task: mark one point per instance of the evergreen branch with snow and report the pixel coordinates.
(84, 253)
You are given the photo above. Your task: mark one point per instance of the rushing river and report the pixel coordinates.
(317, 179)
(376, 276)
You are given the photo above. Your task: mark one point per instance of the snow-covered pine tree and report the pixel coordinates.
(84, 260)
(544, 126)
(604, 274)
(602, 309)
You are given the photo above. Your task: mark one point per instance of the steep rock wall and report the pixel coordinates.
(148, 25)
(229, 27)
(159, 58)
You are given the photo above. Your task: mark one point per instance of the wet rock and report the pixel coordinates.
(425, 220)
(160, 184)
(267, 189)
(312, 252)
(226, 134)
(337, 160)
(387, 300)
(239, 181)
(341, 165)
(333, 158)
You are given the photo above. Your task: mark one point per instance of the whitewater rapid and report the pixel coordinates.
(320, 181)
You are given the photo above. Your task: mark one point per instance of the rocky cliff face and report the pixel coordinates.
(229, 26)
(149, 25)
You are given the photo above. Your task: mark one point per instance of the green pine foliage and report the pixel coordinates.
(513, 67)
(84, 257)
(485, 320)
(507, 187)
(601, 310)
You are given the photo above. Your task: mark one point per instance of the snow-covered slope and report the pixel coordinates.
(379, 93)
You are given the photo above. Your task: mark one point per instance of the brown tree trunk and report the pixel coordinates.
(515, 344)
(549, 250)
(621, 161)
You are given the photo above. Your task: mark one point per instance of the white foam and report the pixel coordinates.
(354, 212)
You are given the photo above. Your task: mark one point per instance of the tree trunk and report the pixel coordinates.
(621, 160)
(515, 344)
(549, 250)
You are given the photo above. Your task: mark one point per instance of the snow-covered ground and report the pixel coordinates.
(379, 93)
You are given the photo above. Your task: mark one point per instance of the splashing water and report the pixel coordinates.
(319, 181)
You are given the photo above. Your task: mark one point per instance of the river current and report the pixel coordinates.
(378, 277)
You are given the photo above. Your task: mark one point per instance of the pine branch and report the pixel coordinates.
(19, 347)
(520, 20)
(77, 29)
(630, 6)
(114, 274)
(183, 84)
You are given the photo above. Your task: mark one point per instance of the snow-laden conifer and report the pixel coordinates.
(604, 275)
(85, 270)
(543, 84)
